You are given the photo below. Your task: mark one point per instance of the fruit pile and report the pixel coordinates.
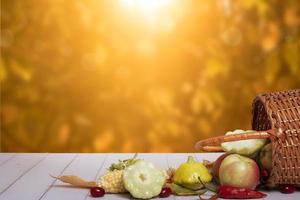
(138, 177)
(246, 166)
(236, 174)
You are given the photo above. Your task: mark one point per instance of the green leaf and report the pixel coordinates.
(182, 191)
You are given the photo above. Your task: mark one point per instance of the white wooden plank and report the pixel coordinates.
(85, 166)
(36, 181)
(195, 197)
(207, 156)
(158, 159)
(111, 158)
(278, 195)
(16, 167)
(113, 197)
(4, 157)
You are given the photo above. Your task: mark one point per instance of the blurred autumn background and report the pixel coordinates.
(139, 75)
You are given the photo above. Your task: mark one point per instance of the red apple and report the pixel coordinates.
(239, 171)
(216, 166)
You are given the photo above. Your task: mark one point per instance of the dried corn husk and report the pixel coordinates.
(76, 181)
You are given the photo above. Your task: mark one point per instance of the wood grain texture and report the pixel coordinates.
(15, 168)
(26, 176)
(4, 157)
(85, 166)
(36, 181)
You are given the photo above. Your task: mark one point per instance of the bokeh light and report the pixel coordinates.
(139, 75)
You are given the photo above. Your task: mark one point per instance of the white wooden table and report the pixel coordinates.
(26, 176)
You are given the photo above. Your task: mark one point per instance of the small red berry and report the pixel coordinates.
(264, 175)
(165, 192)
(287, 189)
(97, 192)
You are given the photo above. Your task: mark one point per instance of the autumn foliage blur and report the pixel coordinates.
(125, 76)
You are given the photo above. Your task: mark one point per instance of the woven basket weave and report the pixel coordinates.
(276, 116)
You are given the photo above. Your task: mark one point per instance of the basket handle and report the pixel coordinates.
(213, 144)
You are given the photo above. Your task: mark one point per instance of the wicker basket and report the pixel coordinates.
(276, 116)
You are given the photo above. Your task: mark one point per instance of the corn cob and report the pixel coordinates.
(112, 182)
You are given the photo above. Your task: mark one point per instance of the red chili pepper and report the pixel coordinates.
(228, 192)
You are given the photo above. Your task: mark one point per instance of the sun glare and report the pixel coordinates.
(154, 13)
(149, 6)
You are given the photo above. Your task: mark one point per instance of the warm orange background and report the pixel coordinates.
(143, 76)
